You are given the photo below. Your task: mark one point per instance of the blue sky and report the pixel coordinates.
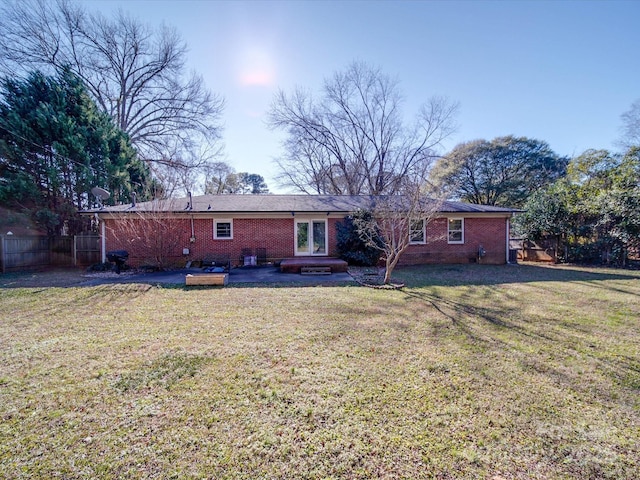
(558, 71)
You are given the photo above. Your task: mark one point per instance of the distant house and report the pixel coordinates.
(274, 227)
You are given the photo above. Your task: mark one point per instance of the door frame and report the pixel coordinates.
(310, 240)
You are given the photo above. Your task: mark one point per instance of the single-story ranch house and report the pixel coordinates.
(275, 227)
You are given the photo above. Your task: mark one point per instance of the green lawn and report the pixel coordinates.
(468, 372)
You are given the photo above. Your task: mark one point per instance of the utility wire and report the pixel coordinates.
(47, 149)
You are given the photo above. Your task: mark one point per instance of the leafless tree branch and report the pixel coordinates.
(135, 73)
(353, 139)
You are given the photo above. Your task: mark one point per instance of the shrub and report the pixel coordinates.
(350, 245)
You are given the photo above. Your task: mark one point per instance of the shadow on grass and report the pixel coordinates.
(459, 313)
(486, 316)
(457, 275)
(413, 277)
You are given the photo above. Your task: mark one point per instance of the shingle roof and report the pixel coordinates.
(280, 204)
(463, 207)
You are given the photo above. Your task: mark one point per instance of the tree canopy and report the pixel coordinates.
(135, 73)
(503, 171)
(251, 183)
(353, 139)
(55, 145)
(594, 212)
(223, 179)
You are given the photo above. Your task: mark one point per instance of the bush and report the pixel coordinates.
(599, 252)
(100, 267)
(351, 247)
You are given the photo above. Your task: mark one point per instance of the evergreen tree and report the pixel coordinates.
(55, 145)
(350, 244)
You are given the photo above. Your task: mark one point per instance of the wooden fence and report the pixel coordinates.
(530, 251)
(86, 250)
(25, 252)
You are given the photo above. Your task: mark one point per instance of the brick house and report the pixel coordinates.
(274, 227)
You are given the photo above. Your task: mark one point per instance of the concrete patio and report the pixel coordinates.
(239, 275)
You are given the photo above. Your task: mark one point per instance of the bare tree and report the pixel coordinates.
(202, 159)
(153, 237)
(631, 126)
(305, 166)
(396, 219)
(220, 178)
(353, 140)
(135, 73)
(223, 179)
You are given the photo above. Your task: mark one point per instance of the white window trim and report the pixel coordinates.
(452, 242)
(215, 228)
(424, 233)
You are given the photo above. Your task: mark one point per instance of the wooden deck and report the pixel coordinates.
(295, 264)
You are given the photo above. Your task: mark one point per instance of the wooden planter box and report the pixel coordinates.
(207, 279)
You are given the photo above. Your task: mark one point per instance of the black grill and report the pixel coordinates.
(118, 257)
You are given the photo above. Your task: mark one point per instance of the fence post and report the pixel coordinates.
(74, 250)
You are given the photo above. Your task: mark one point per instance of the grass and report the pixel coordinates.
(469, 372)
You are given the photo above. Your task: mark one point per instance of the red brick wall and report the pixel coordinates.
(276, 235)
(488, 232)
(122, 236)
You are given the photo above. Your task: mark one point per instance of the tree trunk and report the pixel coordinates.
(390, 264)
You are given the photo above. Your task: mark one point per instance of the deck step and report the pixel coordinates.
(315, 270)
(294, 265)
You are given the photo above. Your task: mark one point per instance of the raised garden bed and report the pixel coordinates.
(207, 279)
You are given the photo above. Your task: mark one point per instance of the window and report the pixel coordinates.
(416, 232)
(456, 230)
(223, 229)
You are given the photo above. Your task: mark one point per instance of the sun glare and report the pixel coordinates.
(256, 67)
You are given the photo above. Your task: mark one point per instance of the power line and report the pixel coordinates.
(47, 149)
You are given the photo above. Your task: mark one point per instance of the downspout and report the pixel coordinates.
(507, 239)
(193, 232)
(103, 242)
